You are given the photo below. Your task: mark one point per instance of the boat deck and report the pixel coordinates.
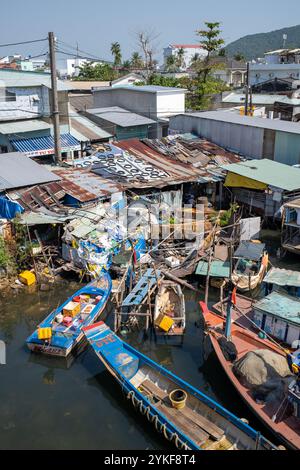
(199, 429)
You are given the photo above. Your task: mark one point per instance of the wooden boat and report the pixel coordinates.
(169, 312)
(287, 429)
(90, 302)
(201, 424)
(251, 265)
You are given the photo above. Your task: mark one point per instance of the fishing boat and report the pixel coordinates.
(251, 265)
(61, 332)
(183, 414)
(285, 425)
(169, 312)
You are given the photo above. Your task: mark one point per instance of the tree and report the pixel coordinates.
(239, 57)
(222, 52)
(126, 65)
(146, 42)
(136, 61)
(180, 58)
(170, 64)
(211, 43)
(92, 71)
(116, 53)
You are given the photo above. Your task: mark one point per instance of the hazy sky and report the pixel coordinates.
(95, 24)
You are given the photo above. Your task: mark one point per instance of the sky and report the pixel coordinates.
(95, 24)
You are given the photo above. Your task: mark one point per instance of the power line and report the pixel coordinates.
(92, 59)
(23, 42)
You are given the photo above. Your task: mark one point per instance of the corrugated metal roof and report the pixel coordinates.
(18, 127)
(283, 277)
(147, 89)
(269, 172)
(121, 117)
(281, 306)
(22, 79)
(260, 99)
(85, 185)
(88, 129)
(35, 144)
(235, 118)
(17, 170)
(295, 203)
(39, 197)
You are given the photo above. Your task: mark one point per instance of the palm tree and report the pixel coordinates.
(137, 61)
(180, 58)
(116, 52)
(170, 63)
(126, 65)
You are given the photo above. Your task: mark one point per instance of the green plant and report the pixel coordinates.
(5, 256)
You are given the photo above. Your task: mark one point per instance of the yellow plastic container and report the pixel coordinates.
(178, 399)
(72, 309)
(44, 333)
(166, 323)
(27, 277)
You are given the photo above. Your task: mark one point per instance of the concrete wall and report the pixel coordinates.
(170, 104)
(27, 104)
(135, 101)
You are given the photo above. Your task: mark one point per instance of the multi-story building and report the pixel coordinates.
(25, 114)
(280, 64)
(190, 50)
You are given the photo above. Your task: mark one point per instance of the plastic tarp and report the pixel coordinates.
(250, 250)
(9, 209)
(236, 181)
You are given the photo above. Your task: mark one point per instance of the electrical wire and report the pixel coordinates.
(23, 42)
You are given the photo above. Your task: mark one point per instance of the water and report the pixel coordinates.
(48, 403)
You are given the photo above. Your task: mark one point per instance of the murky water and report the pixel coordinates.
(46, 403)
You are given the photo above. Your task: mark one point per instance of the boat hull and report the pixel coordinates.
(280, 431)
(62, 347)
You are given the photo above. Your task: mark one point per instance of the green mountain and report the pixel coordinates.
(255, 45)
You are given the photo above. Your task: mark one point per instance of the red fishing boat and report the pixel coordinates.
(286, 426)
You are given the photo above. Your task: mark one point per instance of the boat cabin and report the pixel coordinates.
(291, 227)
(279, 316)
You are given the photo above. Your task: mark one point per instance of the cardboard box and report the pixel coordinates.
(72, 309)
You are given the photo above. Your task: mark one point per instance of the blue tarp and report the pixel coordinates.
(9, 209)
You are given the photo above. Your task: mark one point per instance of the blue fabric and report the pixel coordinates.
(9, 209)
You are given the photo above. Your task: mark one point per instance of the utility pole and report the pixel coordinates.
(55, 110)
(247, 90)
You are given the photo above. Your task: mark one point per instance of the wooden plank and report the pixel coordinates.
(214, 430)
(209, 427)
(156, 391)
(185, 425)
(140, 291)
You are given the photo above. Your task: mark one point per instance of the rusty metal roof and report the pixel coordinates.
(85, 186)
(47, 196)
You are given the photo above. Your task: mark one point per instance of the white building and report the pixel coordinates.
(73, 66)
(189, 52)
(280, 64)
(154, 102)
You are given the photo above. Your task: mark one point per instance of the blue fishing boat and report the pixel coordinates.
(61, 332)
(184, 415)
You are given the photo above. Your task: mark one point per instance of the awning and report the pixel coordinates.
(217, 269)
(250, 250)
(237, 181)
(39, 146)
